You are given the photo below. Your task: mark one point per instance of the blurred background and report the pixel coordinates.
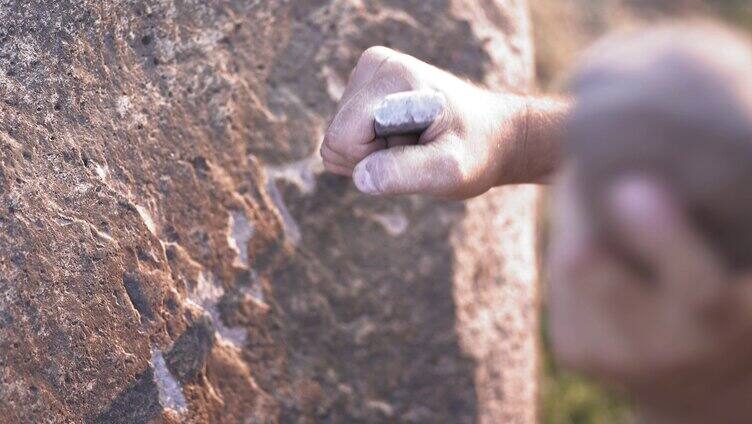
(562, 30)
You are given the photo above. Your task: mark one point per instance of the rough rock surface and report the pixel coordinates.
(171, 251)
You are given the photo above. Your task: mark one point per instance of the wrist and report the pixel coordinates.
(530, 146)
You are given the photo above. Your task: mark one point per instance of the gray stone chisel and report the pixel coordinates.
(408, 112)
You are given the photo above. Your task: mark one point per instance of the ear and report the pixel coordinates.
(652, 225)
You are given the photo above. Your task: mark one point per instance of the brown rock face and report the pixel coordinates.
(171, 251)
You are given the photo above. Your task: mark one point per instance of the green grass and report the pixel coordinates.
(569, 398)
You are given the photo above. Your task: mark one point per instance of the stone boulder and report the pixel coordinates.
(172, 251)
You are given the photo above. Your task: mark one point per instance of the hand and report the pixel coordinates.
(681, 337)
(475, 144)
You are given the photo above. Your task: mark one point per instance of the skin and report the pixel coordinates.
(679, 343)
(482, 140)
(677, 340)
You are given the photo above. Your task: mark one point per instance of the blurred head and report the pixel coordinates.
(652, 238)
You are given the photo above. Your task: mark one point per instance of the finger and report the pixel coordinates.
(652, 225)
(434, 169)
(368, 64)
(401, 140)
(329, 155)
(338, 169)
(352, 129)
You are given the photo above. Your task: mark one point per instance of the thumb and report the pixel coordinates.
(433, 168)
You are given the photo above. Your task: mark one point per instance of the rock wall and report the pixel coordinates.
(171, 250)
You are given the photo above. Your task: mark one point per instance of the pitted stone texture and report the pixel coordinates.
(146, 146)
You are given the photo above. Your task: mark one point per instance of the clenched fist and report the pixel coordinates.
(480, 140)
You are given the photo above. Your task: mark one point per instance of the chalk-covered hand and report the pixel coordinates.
(478, 141)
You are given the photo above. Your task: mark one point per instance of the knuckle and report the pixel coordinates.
(400, 71)
(394, 65)
(457, 179)
(375, 54)
(352, 153)
(455, 164)
(389, 64)
(330, 167)
(359, 151)
(330, 138)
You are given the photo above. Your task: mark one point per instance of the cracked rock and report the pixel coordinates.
(172, 251)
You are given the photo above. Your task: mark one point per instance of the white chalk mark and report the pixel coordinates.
(82, 188)
(382, 407)
(254, 292)
(68, 220)
(240, 232)
(394, 223)
(102, 171)
(300, 173)
(123, 105)
(146, 217)
(206, 295)
(169, 389)
(408, 112)
(290, 227)
(206, 292)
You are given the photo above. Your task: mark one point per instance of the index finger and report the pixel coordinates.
(368, 64)
(351, 133)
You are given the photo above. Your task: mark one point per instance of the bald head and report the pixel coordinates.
(673, 104)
